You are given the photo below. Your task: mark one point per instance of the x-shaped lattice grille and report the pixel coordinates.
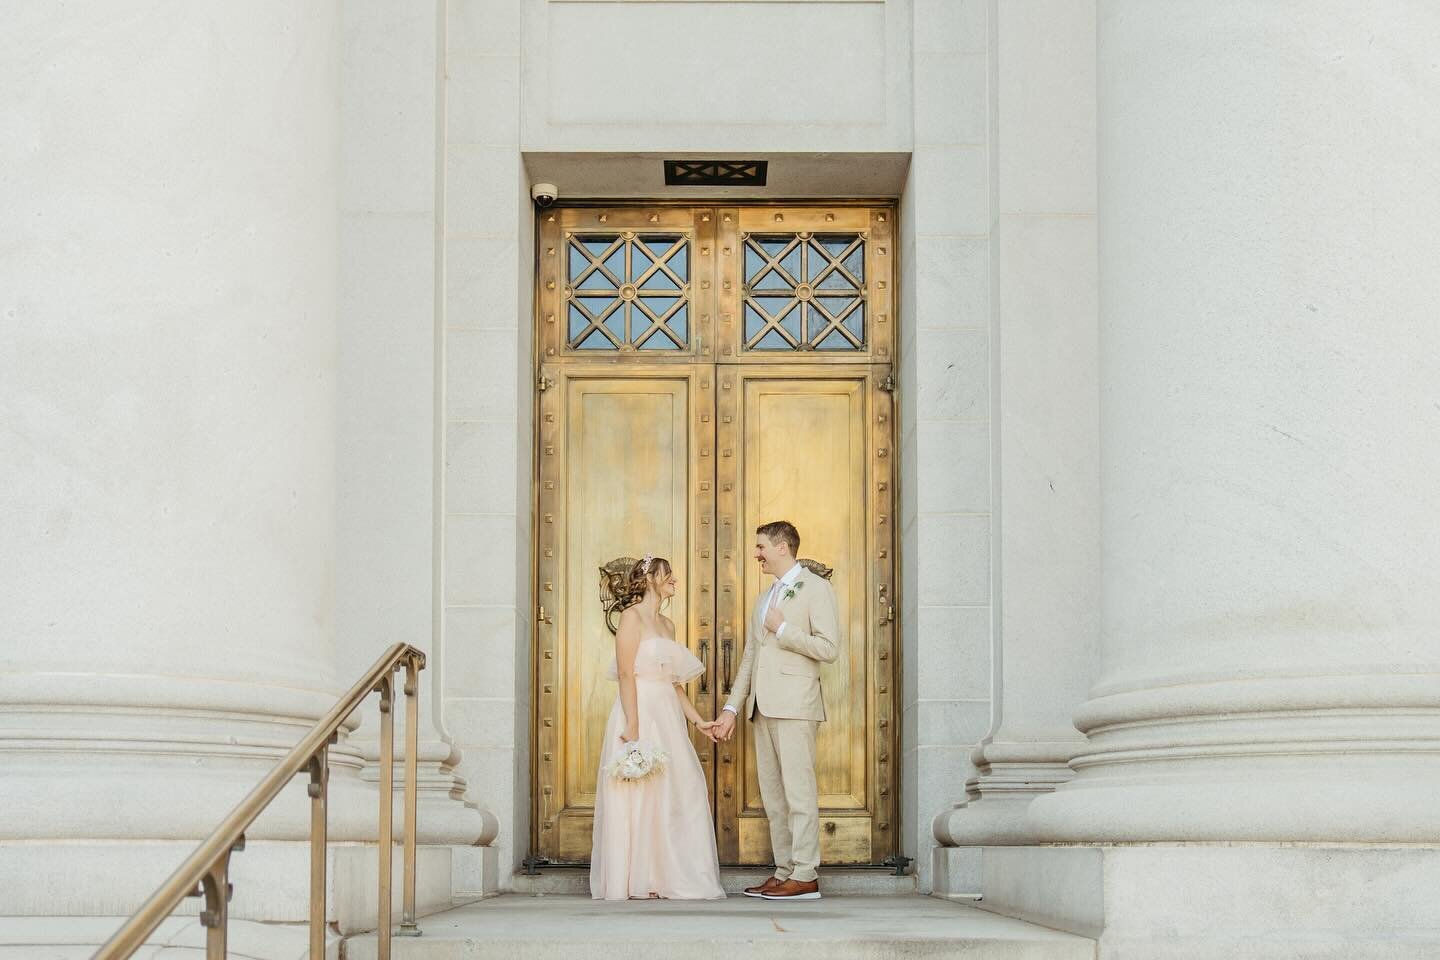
(804, 292)
(627, 290)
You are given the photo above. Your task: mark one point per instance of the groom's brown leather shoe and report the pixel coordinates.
(793, 889)
(770, 884)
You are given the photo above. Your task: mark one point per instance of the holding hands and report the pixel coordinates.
(723, 727)
(707, 727)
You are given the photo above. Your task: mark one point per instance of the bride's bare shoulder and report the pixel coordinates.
(668, 624)
(629, 623)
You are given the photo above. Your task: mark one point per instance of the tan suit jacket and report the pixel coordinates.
(781, 675)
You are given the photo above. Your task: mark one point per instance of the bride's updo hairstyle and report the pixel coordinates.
(642, 577)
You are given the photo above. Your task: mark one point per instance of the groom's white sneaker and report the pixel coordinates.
(793, 889)
(759, 891)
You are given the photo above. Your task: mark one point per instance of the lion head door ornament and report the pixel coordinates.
(816, 567)
(613, 577)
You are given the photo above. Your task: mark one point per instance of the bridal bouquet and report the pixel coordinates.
(638, 761)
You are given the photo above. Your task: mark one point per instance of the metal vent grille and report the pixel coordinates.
(716, 173)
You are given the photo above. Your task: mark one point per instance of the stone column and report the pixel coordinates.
(1047, 476)
(167, 356)
(390, 313)
(1270, 427)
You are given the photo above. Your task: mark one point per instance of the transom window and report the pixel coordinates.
(628, 291)
(804, 291)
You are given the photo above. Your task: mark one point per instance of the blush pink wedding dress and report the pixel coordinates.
(655, 836)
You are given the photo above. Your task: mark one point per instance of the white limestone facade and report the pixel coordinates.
(1169, 384)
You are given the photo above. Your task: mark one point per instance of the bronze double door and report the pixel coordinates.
(702, 370)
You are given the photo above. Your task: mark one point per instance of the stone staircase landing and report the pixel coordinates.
(835, 928)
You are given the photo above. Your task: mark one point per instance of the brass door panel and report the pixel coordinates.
(621, 482)
(803, 445)
(702, 369)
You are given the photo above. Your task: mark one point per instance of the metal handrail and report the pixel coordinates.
(206, 871)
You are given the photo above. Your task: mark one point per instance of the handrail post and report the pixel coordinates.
(215, 918)
(319, 790)
(408, 927)
(387, 811)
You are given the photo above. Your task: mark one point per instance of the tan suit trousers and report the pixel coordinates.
(785, 764)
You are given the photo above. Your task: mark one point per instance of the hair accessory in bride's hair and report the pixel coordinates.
(645, 564)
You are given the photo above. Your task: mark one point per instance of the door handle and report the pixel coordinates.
(726, 647)
(705, 660)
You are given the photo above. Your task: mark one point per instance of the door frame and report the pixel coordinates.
(714, 238)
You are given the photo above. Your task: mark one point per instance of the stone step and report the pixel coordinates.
(844, 881)
(835, 928)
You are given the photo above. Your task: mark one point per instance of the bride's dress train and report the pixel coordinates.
(655, 836)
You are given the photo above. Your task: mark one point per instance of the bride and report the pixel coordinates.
(654, 836)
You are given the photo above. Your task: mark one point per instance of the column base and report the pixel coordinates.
(111, 878)
(1263, 759)
(1010, 775)
(1235, 900)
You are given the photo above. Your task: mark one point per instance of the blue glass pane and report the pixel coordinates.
(835, 246)
(595, 281)
(855, 322)
(680, 323)
(595, 306)
(774, 306)
(657, 307)
(791, 263)
(660, 280)
(832, 277)
(578, 323)
(615, 323)
(772, 245)
(772, 341)
(680, 262)
(615, 263)
(659, 339)
(791, 323)
(824, 255)
(753, 263)
(855, 263)
(596, 341)
(849, 311)
(834, 306)
(597, 246)
(771, 280)
(754, 323)
(639, 262)
(578, 262)
(662, 246)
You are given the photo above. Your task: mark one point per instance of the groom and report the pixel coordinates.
(795, 628)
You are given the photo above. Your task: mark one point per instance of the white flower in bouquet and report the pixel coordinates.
(637, 761)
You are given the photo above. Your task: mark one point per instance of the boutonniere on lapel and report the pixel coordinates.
(790, 594)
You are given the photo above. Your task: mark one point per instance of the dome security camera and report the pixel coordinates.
(544, 194)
